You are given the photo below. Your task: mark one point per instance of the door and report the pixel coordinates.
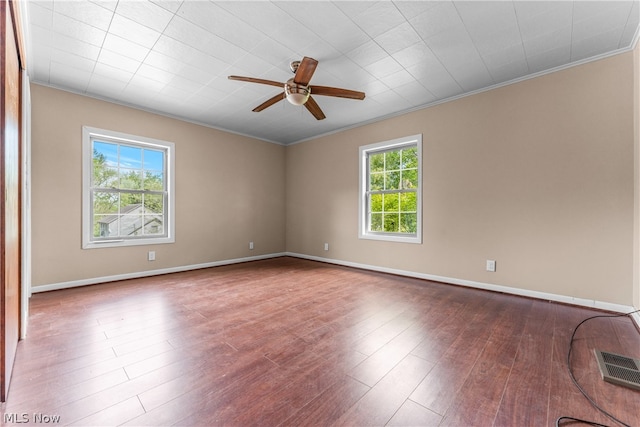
(10, 196)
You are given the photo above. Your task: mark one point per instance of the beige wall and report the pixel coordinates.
(537, 175)
(229, 191)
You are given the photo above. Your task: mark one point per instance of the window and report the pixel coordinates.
(127, 189)
(390, 190)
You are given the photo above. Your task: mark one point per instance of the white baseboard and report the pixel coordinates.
(148, 273)
(600, 305)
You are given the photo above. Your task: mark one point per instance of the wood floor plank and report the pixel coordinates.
(291, 342)
(413, 414)
(380, 403)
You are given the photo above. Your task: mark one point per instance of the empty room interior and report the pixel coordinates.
(363, 213)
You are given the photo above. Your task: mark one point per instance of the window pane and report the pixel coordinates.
(105, 225)
(153, 160)
(105, 203)
(376, 162)
(392, 160)
(391, 202)
(105, 162)
(126, 189)
(130, 157)
(106, 153)
(376, 181)
(105, 176)
(375, 204)
(130, 179)
(408, 223)
(390, 195)
(392, 180)
(131, 223)
(410, 158)
(409, 202)
(410, 178)
(153, 225)
(129, 201)
(391, 222)
(376, 222)
(153, 204)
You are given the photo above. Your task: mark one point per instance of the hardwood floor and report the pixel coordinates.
(294, 342)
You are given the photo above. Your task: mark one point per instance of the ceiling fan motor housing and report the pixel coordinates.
(296, 94)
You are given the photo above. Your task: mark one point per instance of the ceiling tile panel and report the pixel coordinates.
(367, 54)
(413, 8)
(631, 27)
(110, 72)
(104, 87)
(69, 59)
(170, 5)
(220, 22)
(547, 41)
(40, 16)
(131, 30)
(539, 18)
(78, 30)
(173, 57)
(127, 48)
(505, 56)
(156, 74)
(549, 59)
(453, 48)
(73, 45)
(604, 22)
(379, 18)
(145, 13)
(354, 8)
(442, 17)
(398, 38)
(596, 45)
(509, 71)
(118, 60)
(84, 11)
(384, 67)
(414, 54)
(476, 14)
(63, 74)
(494, 41)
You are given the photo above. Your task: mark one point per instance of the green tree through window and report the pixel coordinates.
(393, 182)
(127, 189)
(390, 190)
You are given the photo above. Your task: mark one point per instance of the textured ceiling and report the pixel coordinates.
(173, 57)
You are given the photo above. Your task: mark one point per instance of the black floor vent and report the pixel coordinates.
(617, 369)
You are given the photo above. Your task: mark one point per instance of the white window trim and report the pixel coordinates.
(87, 160)
(363, 233)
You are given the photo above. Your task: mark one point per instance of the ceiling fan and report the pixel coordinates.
(297, 89)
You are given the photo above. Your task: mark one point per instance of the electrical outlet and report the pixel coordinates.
(491, 265)
(251, 245)
(326, 246)
(151, 256)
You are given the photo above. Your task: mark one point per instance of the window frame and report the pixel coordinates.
(363, 208)
(89, 134)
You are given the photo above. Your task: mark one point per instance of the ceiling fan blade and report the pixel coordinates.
(255, 80)
(314, 109)
(336, 91)
(269, 102)
(305, 71)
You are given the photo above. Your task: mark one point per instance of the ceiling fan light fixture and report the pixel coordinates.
(296, 94)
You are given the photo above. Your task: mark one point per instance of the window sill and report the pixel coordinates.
(115, 243)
